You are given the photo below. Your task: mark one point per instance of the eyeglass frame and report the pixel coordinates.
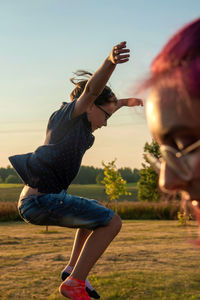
(105, 112)
(156, 163)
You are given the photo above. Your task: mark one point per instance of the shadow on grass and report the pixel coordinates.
(48, 232)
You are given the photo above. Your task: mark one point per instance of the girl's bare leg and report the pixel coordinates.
(80, 238)
(95, 245)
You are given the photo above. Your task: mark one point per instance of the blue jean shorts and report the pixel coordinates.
(64, 210)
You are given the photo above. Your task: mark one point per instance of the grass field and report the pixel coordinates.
(10, 192)
(148, 260)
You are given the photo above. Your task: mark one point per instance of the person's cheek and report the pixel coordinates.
(194, 164)
(169, 181)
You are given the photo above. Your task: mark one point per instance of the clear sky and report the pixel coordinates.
(44, 41)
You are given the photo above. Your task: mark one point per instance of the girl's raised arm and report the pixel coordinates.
(96, 84)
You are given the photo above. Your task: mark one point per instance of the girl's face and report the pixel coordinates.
(98, 115)
(175, 121)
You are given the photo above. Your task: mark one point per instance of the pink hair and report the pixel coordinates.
(179, 60)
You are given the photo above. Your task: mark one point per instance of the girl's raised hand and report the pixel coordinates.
(119, 54)
(134, 102)
(130, 102)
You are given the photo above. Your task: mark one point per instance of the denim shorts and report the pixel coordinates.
(64, 210)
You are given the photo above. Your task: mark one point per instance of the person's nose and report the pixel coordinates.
(169, 180)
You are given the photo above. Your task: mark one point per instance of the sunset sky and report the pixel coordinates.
(44, 41)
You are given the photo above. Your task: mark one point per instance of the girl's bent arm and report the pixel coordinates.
(130, 102)
(97, 82)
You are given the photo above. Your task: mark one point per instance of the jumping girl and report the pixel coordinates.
(49, 170)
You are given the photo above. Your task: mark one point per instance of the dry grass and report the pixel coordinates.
(148, 260)
(127, 210)
(8, 211)
(147, 210)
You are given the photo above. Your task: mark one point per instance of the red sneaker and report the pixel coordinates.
(74, 289)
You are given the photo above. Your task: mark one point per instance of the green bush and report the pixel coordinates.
(148, 185)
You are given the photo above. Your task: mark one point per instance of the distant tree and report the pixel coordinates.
(1, 180)
(136, 175)
(92, 175)
(100, 177)
(87, 175)
(13, 179)
(115, 185)
(148, 183)
(127, 174)
(152, 148)
(4, 172)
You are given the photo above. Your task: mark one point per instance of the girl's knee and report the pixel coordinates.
(116, 223)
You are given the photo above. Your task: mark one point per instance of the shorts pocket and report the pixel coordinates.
(31, 212)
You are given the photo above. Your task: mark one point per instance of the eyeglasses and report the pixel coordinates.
(176, 160)
(105, 112)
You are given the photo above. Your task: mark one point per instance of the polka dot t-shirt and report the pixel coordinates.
(52, 166)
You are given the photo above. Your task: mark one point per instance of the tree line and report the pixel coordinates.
(146, 178)
(86, 175)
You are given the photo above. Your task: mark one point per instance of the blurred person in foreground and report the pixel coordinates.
(173, 114)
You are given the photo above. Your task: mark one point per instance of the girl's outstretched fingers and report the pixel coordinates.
(119, 54)
(135, 102)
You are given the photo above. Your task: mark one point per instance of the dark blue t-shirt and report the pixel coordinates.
(53, 166)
